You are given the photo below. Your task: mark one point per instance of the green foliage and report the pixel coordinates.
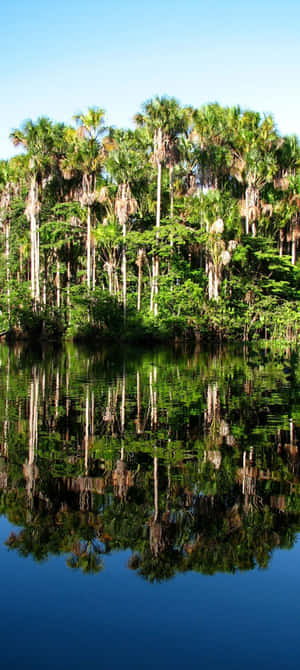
(186, 226)
(186, 458)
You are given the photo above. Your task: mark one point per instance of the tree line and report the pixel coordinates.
(187, 225)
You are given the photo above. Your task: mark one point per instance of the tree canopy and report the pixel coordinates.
(186, 226)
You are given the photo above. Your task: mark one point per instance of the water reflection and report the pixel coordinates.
(190, 460)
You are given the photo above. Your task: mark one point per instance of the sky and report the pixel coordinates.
(58, 57)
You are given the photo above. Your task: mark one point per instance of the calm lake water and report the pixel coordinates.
(150, 508)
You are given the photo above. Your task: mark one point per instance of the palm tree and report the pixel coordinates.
(8, 189)
(165, 121)
(210, 134)
(41, 140)
(85, 157)
(125, 168)
(254, 162)
(287, 183)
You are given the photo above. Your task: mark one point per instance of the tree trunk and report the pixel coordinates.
(152, 283)
(156, 262)
(57, 392)
(155, 481)
(138, 404)
(171, 180)
(7, 252)
(57, 281)
(20, 263)
(293, 250)
(88, 248)
(281, 242)
(139, 264)
(247, 213)
(68, 285)
(94, 267)
(252, 200)
(37, 264)
(45, 281)
(216, 285)
(123, 401)
(124, 277)
(32, 241)
(210, 272)
(86, 432)
(109, 272)
(6, 420)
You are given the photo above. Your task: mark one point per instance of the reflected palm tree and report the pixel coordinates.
(87, 557)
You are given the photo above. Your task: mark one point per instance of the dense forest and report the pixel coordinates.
(186, 226)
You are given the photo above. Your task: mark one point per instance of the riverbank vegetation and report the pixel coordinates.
(186, 226)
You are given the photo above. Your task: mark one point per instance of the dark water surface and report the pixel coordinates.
(150, 509)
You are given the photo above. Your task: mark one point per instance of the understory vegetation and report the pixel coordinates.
(186, 226)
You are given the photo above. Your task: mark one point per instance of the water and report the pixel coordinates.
(150, 508)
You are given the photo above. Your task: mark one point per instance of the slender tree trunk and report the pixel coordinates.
(32, 209)
(88, 248)
(210, 272)
(7, 253)
(152, 284)
(86, 433)
(57, 281)
(216, 285)
(6, 420)
(171, 180)
(94, 267)
(291, 422)
(57, 391)
(124, 277)
(32, 238)
(139, 264)
(68, 285)
(293, 248)
(281, 242)
(155, 481)
(247, 212)
(45, 281)
(156, 262)
(155, 416)
(123, 400)
(138, 403)
(110, 285)
(92, 415)
(30, 469)
(21, 263)
(151, 399)
(37, 263)
(251, 204)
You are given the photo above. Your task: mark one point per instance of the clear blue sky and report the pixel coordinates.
(58, 57)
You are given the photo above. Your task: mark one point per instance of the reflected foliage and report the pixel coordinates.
(188, 459)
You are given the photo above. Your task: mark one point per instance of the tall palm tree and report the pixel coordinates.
(288, 184)
(9, 187)
(41, 141)
(85, 157)
(254, 162)
(210, 134)
(126, 167)
(165, 121)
